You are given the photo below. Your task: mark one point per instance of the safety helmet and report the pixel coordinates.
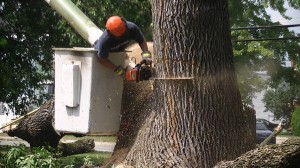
(116, 26)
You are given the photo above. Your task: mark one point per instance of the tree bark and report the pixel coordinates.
(37, 129)
(197, 117)
(77, 147)
(285, 155)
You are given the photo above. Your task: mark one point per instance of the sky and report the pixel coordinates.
(294, 14)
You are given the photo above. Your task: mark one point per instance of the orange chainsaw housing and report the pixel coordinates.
(132, 75)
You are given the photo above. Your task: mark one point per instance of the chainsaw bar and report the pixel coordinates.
(184, 78)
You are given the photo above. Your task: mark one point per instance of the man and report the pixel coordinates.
(115, 38)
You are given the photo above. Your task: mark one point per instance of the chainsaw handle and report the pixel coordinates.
(133, 59)
(143, 62)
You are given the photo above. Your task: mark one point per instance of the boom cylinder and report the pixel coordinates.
(77, 19)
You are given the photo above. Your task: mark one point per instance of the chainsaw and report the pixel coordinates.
(140, 72)
(143, 72)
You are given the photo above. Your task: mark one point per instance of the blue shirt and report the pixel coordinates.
(107, 43)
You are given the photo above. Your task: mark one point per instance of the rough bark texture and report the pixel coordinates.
(77, 147)
(198, 118)
(37, 129)
(135, 103)
(135, 109)
(285, 155)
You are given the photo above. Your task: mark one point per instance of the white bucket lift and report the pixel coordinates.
(88, 96)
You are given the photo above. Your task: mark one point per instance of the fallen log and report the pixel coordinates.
(77, 147)
(285, 155)
(37, 129)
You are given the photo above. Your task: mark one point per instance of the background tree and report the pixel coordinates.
(137, 11)
(27, 34)
(295, 123)
(251, 56)
(281, 101)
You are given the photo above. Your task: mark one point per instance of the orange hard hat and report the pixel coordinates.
(116, 26)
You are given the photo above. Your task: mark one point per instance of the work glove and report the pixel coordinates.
(146, 55)
(120, 71)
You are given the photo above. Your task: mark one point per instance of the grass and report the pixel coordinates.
(97, 158)
(3, 134)
(287, 134)
(4, 148)
(103, 138)
(96, 138)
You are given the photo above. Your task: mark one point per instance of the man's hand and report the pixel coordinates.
(120, 71)
(147, 57)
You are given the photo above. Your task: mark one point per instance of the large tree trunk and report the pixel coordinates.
(136, 107)
(197, 117)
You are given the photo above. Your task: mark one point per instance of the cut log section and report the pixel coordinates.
(77, 147)
(37, 129)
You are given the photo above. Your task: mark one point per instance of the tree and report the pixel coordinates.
(27, 34)
(253, 56)
(295, 123)
(281, 101)
(197, 117)
(137, 11)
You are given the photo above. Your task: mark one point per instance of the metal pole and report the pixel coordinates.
(77, 19)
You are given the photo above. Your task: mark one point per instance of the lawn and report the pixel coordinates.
(95, 158)
(288, 135)
(92, 158)
(108, 138)
(96, 138)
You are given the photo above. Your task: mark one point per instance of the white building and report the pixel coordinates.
(259, 105)
(5, 114)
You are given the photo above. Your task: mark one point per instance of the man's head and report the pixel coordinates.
(116, 26)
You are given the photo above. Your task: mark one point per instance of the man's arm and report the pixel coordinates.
(117, 69)
(144, 46)
(146, 54)
(107, 63)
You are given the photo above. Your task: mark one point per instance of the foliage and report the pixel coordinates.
(249, 82)
(95, 158)
(296, 122)
(22, 156)
(137, 11)
(27, 34)
(265, 55)
(279, 101)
